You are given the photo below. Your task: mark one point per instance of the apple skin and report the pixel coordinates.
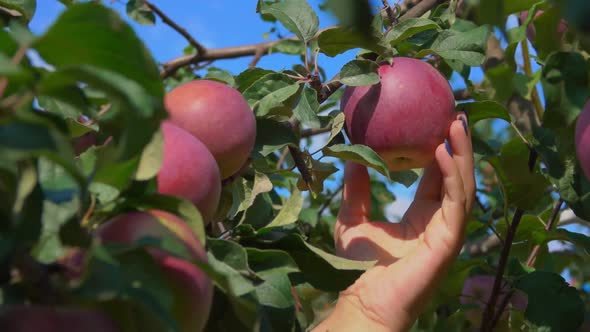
(405, 116)
(192, 288)
(476, 293)
(218, 116)
(21, 318)
(583, 140)
(531, 32)
(189, 170)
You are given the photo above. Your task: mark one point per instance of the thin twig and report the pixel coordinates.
(501, 308)
(166, 19)
(488, 313)
(329, 200)
(315, 131)
(257, 56)
(282, 158)
(16, 59)
(301, 167)
(389, 12)
(533, 255)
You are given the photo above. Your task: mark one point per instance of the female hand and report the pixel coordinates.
(413, 255)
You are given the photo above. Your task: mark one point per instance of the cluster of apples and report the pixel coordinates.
(208, 136)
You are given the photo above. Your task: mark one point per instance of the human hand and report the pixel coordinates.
(412, 255)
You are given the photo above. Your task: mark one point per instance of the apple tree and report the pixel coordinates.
(175, 195)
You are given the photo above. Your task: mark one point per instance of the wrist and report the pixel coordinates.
(349, 316)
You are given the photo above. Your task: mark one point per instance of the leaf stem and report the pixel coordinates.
(533, 255)
(526, 58)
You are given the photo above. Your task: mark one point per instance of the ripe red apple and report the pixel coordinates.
(21, 318)
(583, 140)
(531, 32)
(405, 116)
(476, 293)
(192, 288)
(218, 116)
(189, 170)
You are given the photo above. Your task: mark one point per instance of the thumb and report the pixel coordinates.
(356, 195)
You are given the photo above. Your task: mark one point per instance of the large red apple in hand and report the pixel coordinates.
(583, 140)
(219, 117)
(405, 116)
(189, 170)
(22, 318)
(192, 288)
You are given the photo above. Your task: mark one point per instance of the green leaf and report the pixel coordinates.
(466, 47)
(140, 13)
(357, 153)
(407, 177)
(521, 187)
(405, 29)
(321, 269)
(353, 14)
(289, 212)
(296, 15)
(246, 194)
(26, 8)
(511, 7)
(49, 248)
(307, 108)
(288, 46)
(552, 304)
(151, 158)
(96, 36)
(117, 272)
(273, 90)
(272, 135)
(486, 109)
(566, 88)
(337, 124)
(141, 109)
(579, 240)
(229, 259)
(319, 172)
(34, 135)
(249, 76)
(547, 38)
(279, 102)
(176, 205)
(339, 40)
(221, 75)
(359, 72)
(269, 262)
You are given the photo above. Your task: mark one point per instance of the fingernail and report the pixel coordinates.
(463, 118)
(448, 147)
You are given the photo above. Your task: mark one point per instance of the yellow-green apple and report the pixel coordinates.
(189, 170)
(583, 140)
(405, 116)
(218, 116)
(21, 318)
(192, 289)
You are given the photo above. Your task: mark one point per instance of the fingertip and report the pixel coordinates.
(356, 194)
